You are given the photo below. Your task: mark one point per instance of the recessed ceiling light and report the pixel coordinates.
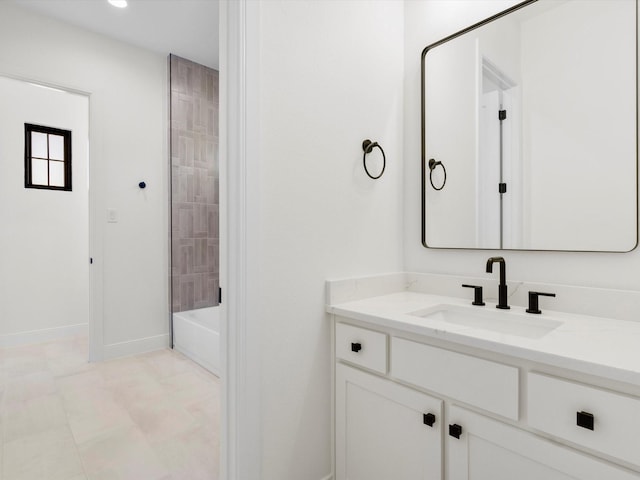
(118, 3)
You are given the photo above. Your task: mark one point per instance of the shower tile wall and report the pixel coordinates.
(195, 238)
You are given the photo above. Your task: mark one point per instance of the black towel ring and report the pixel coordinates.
(432, 166)
(368, 147)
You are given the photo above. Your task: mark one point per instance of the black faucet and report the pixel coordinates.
(502, 288)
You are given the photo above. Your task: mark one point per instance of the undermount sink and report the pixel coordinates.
(510, 323)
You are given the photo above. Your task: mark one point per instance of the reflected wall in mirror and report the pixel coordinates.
(534, 115)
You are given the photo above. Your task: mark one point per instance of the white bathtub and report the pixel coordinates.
(196, 334)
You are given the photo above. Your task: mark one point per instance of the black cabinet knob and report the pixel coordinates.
(584, 420)
(455, 430)
(356, 347)
(428, 419)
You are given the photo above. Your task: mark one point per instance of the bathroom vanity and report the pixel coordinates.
(431, 380)
(429, 386)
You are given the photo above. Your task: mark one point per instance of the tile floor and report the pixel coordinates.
(149, 417)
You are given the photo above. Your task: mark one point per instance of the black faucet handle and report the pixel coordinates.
(477, 294)
(533, 301)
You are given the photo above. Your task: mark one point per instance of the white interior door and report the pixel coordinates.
(512, 212)
(488, 168)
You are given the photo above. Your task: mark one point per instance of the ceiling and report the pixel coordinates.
(187, 28)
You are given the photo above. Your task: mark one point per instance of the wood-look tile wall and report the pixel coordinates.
(195, 237)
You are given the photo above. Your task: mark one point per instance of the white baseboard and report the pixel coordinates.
(43, 335)
(135, 347)
(328, 477)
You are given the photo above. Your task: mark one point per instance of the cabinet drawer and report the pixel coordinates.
(361, 347)
(481, 383)
(558, 406)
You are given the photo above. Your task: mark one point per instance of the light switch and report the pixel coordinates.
(112, 215)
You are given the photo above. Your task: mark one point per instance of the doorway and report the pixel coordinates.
(45, 239)
(195, 200)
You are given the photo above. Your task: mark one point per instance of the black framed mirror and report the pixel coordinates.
(533, 114)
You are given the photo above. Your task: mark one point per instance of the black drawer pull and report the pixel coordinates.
(428, 419)
(356, 347)
(584, 420)
(455, 430)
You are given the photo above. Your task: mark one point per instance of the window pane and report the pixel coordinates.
(56, 174)
(39, 172)
(38, 144)
(56, 147)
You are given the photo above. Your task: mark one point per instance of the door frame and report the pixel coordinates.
(94, 239)
(241, 445)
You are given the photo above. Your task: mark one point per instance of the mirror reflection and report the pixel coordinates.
(533, 115)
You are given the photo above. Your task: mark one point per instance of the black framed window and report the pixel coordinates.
(47, 157)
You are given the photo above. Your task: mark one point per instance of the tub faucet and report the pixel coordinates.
(502, 287)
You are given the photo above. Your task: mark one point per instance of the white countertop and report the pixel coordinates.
(604, 347)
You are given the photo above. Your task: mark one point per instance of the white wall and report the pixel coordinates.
(330, 76)
(127, 88)
(44, 245)
(427, 22)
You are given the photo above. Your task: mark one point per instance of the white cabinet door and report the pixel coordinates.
(382, 430)
(490, 450)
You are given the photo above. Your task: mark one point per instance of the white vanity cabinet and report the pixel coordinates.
(389, 389)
